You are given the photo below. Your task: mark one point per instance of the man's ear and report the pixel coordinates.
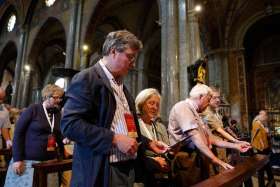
(113, 52)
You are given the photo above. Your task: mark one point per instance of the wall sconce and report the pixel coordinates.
(85, 48)
(197, 9)
(27, 68)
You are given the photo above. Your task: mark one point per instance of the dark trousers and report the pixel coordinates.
(267, 167)
(122, 174)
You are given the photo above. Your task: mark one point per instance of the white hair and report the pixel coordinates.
(143, 96)
(262, 112)
(200, 90)
(261, 115)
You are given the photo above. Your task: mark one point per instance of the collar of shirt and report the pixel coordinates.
(108, 73)
(193, 104)
(214, 111)
(262, 125)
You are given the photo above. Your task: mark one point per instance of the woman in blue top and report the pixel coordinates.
(37, 138)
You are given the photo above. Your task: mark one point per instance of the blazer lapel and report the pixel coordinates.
(97, 67)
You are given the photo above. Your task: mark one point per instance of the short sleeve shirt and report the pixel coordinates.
(4, 117)
(212, 118)
(183, 118)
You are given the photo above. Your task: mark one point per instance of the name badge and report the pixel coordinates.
(131, 126)
(51, 143)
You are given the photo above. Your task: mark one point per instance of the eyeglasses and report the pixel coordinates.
(56, 97)
(209, 97)
(216, 97)
(131, 57)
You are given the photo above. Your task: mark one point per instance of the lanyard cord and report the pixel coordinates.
(148, 132)
(155, 129)
(48, 118)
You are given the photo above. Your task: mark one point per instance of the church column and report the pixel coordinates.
(26, 88)
(18, 69)
(169, 56)
(73, 46)
(193, 33)
(131, 82)
(141, 75)
(84, 57)
(134, 85)
(73, 40)
(238, 88)
(218, 70)
(184, 46)
(189, 42)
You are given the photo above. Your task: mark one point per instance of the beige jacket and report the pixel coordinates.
(259, 136)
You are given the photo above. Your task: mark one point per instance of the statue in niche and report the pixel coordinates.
(197, 71)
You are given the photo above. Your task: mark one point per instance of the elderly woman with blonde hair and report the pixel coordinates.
(37, 138)
(148, 109)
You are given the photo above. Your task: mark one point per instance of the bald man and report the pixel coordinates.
(5, 123)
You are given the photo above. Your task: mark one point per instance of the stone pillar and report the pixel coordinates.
(84, 59)
(25, 90)
(73, 39)
(132, 82)
(141, 74)
(218, 70)
(169, 56)
(194, 47)
(184, 47)
(36, 95)
(238, 88)
(19, 63)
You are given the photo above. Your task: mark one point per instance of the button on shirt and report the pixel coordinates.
(118, 125)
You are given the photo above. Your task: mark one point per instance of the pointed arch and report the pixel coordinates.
(8, 58)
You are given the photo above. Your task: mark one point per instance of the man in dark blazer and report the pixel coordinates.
(99, 115)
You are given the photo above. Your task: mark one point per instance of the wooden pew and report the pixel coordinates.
(242, 172)
(7, 152)
(42, 169)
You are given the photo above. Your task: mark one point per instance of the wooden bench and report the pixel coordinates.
(241, 173)
(42, 169)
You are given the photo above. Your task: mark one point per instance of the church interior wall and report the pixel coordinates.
(222, 37)
(112, 15)
(8, 61)
(225, 31)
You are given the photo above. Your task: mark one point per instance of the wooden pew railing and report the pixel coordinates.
(42, 169)
(242, 173)
(7, 152)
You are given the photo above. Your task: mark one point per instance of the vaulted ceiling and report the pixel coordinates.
(221, 20)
